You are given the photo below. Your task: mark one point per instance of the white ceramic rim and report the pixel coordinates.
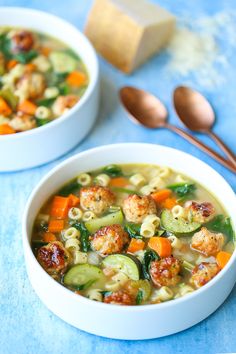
(84, 300)
(92, 81)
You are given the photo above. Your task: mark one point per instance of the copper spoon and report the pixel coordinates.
(147, 110)
(197, 114)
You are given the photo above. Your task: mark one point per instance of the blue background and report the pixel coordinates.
(26, 326)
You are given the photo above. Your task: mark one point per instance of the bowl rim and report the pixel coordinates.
(92, 82)
(71, 295)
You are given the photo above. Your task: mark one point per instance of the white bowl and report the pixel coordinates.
(43, 144)
(132, 322)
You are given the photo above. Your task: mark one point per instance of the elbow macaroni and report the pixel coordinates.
(162, 294)
(175, 242)
(72, 232)
(72, 244)
(178, 211)
(152, 219)
(80, 257)
(88, 215)
(75, 213)
(84, 179)
(95, 294)
(137, 180)
(103, 180)
(164, 172)
(147, 230)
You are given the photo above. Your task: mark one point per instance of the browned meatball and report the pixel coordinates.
(54, 258)
(136, 208)
(22, 41)
(165, 271)
(120, 297)
(200, 212)
(109, 240)
(96, 199)
(203, 273)
(32, 84)
(207, 242)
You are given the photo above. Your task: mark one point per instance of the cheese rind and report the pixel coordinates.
(128, 32)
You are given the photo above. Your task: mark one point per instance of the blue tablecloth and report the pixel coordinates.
(26, 325)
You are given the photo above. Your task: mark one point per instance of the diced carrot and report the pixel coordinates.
(161, 195)
(49, 237)
(55, 225)
(45, 51)
(161, 245)
(11, 64)
(135, 245)
(119, 182)
(6, 129)
(60, 206)
(169, 203)
(76, 79)
(73, 200)
(222, 258)
(30, 67)
(27, 107)
(5, 109)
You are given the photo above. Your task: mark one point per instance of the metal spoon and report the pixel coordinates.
(147, 110)
(197, 114)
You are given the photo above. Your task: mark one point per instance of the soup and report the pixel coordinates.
(132, 235)
(41, 78)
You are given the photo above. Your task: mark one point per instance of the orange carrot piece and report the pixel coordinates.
(73, 200)
(45, 51)
(27, 107)
(222, 258)
(5, 109)
(169, 203)
(135, 245)
(76, 79)
(161, 195)
(6, 129)
(60, 206)
(49, 237)
(11, 64)
(55, 225)
(30, 67)
(119, 182)
(161, 245)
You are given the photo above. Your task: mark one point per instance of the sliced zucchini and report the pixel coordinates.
(124, 263)
(81, 274)
(144, 286)
(177, 226)
(110, 219)
(62, 62)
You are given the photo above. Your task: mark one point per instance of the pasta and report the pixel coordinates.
(137, 180)
(72, 244)
(178, 211)
(103, 180)
(147, 230)
(80, 257)
(88, 215)
(75, 213)
(84, 179)
(72, 232)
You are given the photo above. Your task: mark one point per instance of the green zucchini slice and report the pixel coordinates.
(81, 274)
(177, 226)
(126, 264)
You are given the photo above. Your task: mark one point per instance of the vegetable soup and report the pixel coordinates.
(40, 79)
(132, 234)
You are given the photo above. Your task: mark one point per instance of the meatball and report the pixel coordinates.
(136, 208)
(54, 258)
(96, 199)
(109, 240)
(63, 103)
(22, 122)
(119, 297)
(165, 271)
(32, 84)
(203, 273)
(22, 41)
(200, 212)
(207, 242)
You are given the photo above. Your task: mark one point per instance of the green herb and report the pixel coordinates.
(183, 190)
(85, 285)
(63, 89)
(84, 236)
(149, 257)
(113, 170)
(133, 230)
(25, 57)
(46, 102)
(139, 297)
(41, 122)
(70, 188)
(222, 224)
(125, 190)
(8, 96)
(5, 46)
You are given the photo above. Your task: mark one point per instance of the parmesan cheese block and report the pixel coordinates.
(128, 32)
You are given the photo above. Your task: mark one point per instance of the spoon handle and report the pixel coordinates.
(202, 146)
(223, 147)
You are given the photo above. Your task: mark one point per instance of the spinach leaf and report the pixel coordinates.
(84, 236)
(183, 190)
(70, 188)
(133, 230)
(38, 243)
(63, 89)
(41, 122)
(149, 256)
(113, 171)
(5, 46)
(46, 102)
(139, 297)
(25, 57)
(222, 224)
